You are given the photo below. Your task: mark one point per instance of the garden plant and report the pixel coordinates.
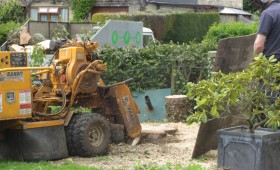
(253, 93)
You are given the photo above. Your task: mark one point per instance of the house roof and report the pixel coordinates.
(43, 4)
(234, 11)
(175, 1)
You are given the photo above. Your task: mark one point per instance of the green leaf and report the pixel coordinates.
(202, 102)
(204, 118)
(210, 91)
(214, 111)
(271, 113)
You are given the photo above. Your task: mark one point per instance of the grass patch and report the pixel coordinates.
(9, 165)
(4, 165)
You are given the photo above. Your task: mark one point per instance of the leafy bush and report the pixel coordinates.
(226, 30)
(5, 28)
(253, 6)
(177, 26)
(253, 93)
(11, 11)
(37, 57)
(81, 8)
(153, 66)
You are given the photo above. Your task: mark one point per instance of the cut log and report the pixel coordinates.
(24, 36)
(177, 108)
(16, 48)
(151, 133)
(148, 129)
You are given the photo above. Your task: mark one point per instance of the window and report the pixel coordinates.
(54, 18)
(34, 14)
(64, 14)
(44, 17)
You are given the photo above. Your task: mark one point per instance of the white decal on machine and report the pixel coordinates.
(25, 101)
(12, 76)
(25, 96)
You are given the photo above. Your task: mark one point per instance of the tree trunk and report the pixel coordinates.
(177, 108)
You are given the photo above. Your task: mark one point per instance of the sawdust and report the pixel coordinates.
(174, 149)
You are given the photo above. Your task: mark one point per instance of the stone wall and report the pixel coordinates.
(136, 5)
(227, 3)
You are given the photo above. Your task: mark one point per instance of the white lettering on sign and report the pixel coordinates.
(1, 103)
(25, 96)
(25, 101)
(14, 75)
(25, 109)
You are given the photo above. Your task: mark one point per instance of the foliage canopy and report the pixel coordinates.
(81, 8)
(152, 66)
(11, 11)
(227, 30)
(182, 27)
(252, 92)
(5, 28)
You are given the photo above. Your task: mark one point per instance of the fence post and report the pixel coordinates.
(69, 28)
(173, 79)
(49, 26)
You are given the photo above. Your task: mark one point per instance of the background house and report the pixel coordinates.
(60, 10)
(48, 10)
(193, 5)
(110, 6)
(234, 15)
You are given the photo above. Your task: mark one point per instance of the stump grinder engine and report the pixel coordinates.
(41, 121)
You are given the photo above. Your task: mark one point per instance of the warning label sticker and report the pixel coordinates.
(25, 96)
(25, 101)
(25, 108)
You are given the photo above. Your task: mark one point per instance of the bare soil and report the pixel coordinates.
(174, 149)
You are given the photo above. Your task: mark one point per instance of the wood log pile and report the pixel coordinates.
(177, 108)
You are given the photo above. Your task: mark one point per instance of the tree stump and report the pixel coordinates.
(177, 108)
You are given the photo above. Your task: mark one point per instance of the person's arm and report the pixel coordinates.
(266, 22)
(259, 43)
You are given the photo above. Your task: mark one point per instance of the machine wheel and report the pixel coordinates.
(69, 131)
(117, 136)
(90, 135)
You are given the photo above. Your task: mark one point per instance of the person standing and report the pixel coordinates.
(268, 36)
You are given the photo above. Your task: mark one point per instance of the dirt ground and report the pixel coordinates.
(174, 149)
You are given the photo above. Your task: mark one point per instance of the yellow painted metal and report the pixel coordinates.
(24, 68)
(41, 72)
(129, 110)
(15, 89)
(39, 124)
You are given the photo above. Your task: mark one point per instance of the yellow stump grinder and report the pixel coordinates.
(40, 122)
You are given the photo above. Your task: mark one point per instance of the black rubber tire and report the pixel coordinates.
(90, 135)
(117, 136)
(69, 131)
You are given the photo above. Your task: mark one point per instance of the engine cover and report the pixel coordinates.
(77, 63)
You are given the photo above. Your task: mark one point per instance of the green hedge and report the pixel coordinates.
(151, 67)
(5, 29)
(177, 27)
(226, 30)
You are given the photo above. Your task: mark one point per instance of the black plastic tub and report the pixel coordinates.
(238, 149)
